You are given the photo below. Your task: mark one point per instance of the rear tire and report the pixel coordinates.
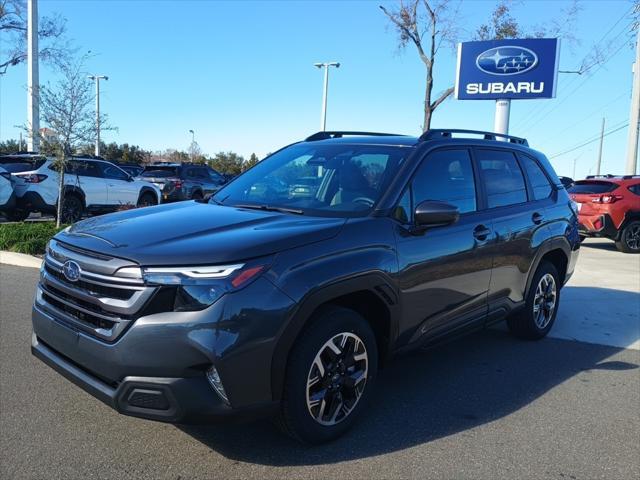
(17, 215)
(147, 200)
(72, 209)
(541, 306)
(629, 238)
(329, 376)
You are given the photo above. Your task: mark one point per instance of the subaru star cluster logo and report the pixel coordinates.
(508, 60)
(71, 271)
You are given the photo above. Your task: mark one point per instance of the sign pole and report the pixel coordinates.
(501, 123)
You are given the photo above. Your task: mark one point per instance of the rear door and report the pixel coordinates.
(444, 271)
(87, 175)
(120, 190)
(519, 224)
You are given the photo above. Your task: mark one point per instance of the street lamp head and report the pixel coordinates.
(191, 131)
(318, 65)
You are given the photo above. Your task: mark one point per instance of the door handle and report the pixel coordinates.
(537, 218)
(481, 232)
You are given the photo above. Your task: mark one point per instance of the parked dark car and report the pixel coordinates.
(183, 181)
(256, 303)
(567, 182)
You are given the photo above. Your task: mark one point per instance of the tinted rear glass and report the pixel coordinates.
(162, 172)
(17, 166)
(593, 186)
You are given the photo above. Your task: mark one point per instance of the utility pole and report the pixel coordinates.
(33, 78)
(501, 122)
(325, 65)
(600, 149)
(191, 147)
(97, 79)
(632, 144)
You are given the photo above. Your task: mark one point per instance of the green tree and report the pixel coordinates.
(247, 164)
(66, 107)
(9, 146)
(227, 162)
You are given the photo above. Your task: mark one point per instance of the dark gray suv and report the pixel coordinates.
(264, 302)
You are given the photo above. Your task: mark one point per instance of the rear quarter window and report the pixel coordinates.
(593, 186)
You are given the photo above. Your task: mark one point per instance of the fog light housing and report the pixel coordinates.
(214, 380)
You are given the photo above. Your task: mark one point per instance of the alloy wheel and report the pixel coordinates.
(544, 302)
(337, 378)
(633, 237)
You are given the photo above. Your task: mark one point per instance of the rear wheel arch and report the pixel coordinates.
(371, 296)
(555, 252)
(73, 190)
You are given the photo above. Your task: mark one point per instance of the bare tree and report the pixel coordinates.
(66, 107)
(13, 30)
(428, 25)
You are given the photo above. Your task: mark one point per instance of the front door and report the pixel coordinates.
(119, 188)
(444, 272)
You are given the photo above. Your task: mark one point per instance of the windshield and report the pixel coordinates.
(160, 172)
(327, 180)
(590, 186)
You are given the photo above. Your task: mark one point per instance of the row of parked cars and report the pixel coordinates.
(30, 183)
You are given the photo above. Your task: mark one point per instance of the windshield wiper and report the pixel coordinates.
(270, 208)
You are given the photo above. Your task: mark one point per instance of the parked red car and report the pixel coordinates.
(609, 206)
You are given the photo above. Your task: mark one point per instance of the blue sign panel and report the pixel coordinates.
(494, 69)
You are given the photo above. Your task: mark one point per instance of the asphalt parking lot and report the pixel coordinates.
(486, 406)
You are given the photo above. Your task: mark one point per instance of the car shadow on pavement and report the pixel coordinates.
(601, 244)
(425, 396)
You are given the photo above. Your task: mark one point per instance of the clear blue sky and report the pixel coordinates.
(240, 74)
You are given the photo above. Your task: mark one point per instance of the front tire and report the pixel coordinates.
(329, 377)
(629, 238)
(541, 306)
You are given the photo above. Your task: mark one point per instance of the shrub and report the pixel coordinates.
(30, 238)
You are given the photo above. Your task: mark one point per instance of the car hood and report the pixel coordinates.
(196, 233)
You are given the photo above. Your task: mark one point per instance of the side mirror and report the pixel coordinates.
(432, 213)
(130, 178)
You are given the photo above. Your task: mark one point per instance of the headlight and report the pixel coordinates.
(200, 286)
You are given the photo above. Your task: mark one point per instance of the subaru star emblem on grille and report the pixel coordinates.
(506, 60)
(71, 271)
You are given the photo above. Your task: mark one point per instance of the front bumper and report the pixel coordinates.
(156, 369)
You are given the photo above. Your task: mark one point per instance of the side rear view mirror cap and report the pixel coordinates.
(433, 213)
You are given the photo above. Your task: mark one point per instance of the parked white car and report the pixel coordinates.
(91, 186)
(7, 195)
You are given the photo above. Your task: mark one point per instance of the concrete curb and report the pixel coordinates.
(19, 259)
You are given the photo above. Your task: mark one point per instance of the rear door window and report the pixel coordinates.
(83, 168)
(593, 186)
(635, 189)
(538, 180)
(503, 179)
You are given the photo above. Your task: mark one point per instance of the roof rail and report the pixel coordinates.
(607, 175)
(325, 135)
(25, 152)
(440, 133)
(627, 177)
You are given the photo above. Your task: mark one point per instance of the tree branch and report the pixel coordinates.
(442, 98)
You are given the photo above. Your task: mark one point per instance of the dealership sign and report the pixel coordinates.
(507, 69)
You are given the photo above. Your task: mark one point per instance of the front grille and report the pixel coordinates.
(91, 287)
(103, 301)
(78, 314)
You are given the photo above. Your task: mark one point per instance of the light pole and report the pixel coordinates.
(33, 78)
(97, 79)
(325, 65)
